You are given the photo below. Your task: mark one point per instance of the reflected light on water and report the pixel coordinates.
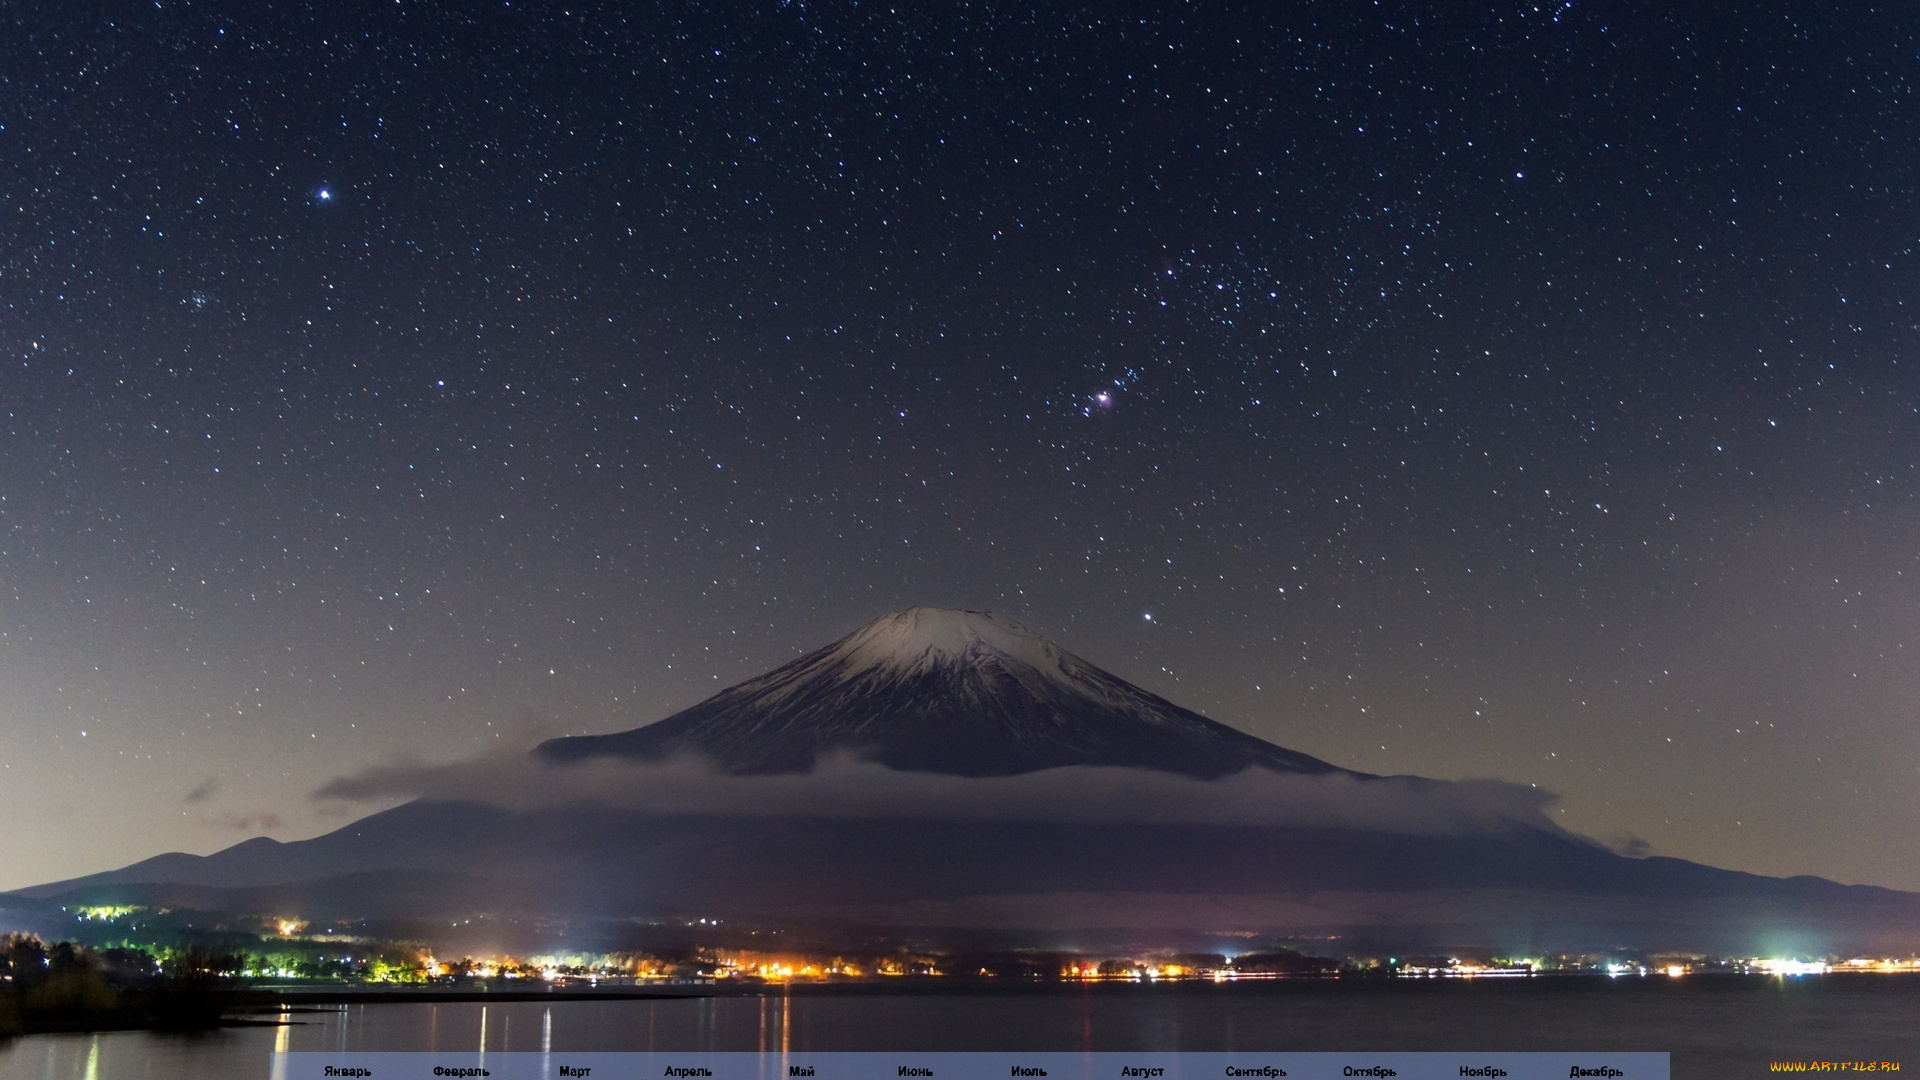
(1713, 1026)
(280, 1045)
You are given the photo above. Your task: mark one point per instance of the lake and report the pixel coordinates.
(1715, 1027)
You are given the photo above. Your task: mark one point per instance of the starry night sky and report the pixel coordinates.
(1500, 390)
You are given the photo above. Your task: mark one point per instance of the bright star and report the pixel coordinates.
(324, 195)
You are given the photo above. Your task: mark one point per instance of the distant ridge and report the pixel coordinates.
(964, 693)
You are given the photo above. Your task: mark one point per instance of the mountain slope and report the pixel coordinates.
(957, 692)
(598, 869)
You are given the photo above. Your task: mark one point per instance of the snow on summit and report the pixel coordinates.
(932, 690)
(917, 637)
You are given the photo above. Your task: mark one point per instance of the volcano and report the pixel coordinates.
(961, 693)
(1026, 795)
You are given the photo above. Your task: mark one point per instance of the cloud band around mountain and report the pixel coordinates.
(844, 787)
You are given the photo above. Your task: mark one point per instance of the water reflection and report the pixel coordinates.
(281, 1044)
(1727, 1030)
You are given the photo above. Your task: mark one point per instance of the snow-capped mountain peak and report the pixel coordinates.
(958, 692)
(916, 638)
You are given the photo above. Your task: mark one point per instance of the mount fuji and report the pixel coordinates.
(955, 692)
(943, 775)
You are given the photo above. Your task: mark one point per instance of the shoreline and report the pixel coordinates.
(261, 1007)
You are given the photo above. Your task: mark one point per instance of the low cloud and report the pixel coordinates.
(844, 787)
(258, 821)
(1632, 847)
(204, 792)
